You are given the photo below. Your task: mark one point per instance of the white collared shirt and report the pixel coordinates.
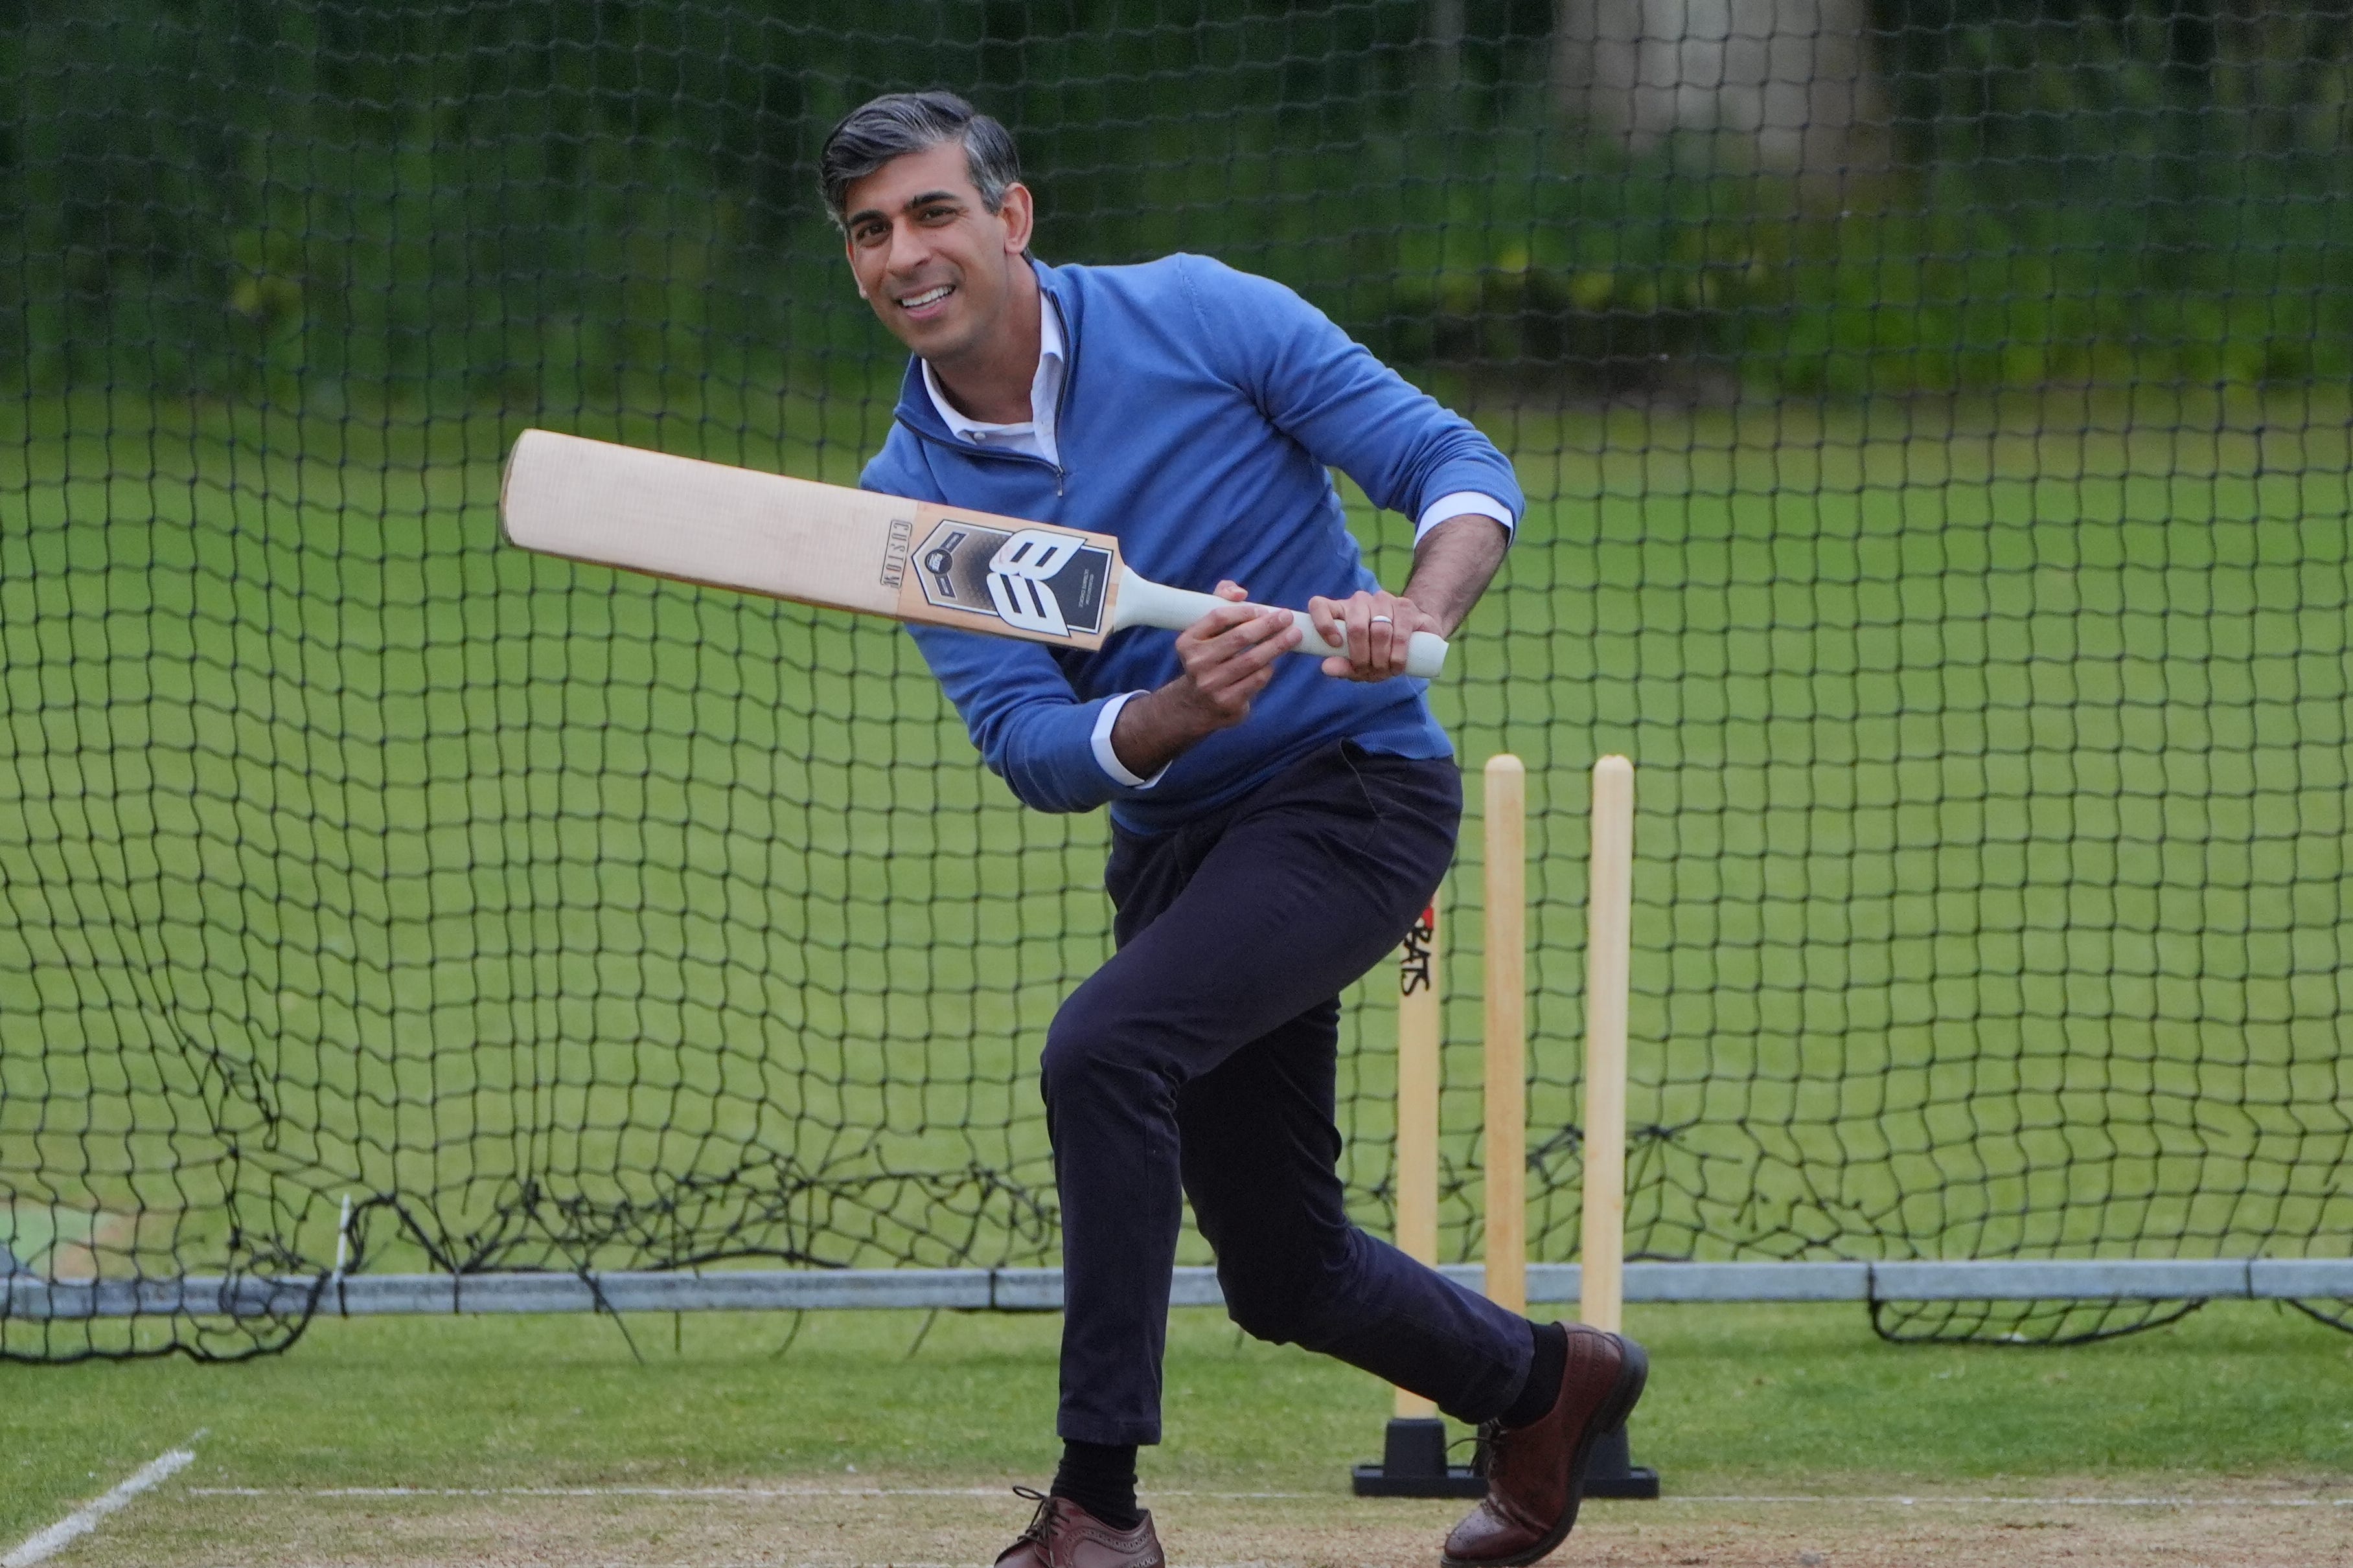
(1035, 438)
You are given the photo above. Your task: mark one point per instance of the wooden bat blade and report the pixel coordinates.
(705, 522)
(813, 544)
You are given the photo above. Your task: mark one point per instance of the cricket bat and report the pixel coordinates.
(845, 548)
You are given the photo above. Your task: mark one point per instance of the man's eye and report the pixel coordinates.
(935, 215)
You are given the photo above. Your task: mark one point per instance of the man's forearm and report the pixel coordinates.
(1152, 731)
(1452, 566)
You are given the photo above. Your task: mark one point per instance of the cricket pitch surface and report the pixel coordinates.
(849, 1522)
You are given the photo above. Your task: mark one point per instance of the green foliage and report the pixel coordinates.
(2048, 91)
(1660, 273)
(561, 199)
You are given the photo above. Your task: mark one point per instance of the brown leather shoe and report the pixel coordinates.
(1061, 1534)
(1535, 1473)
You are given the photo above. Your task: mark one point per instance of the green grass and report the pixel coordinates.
(1990, 896)
(1742, 1399)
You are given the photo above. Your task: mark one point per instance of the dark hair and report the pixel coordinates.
(897, 123)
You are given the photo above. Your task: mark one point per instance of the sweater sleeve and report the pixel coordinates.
(1327, 392)
(1020, 709)
(1028, 724)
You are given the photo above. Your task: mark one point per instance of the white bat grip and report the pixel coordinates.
(1425, 652)
(1143, 602)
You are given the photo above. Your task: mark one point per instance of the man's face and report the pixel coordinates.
(932, 259)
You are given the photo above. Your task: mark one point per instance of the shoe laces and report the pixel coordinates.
(1041, 1528)
(1488, 1447)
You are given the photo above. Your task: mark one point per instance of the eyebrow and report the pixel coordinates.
(926, 199)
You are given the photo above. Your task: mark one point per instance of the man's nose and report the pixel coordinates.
(909, 247)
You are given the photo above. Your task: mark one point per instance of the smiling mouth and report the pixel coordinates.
(928, 296)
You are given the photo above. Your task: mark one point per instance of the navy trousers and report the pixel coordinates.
(1201, 1061)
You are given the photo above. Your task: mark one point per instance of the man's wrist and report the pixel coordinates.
(1106, 747)
(1152, 730)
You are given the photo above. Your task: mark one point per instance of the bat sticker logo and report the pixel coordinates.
(1414, 962)
(894, 551)
(1021, 579)
(940, 560)
(1039, 581)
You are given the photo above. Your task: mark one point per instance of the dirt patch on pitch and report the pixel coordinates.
(824, 1525)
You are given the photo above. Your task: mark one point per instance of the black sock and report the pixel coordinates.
(1550, 1364)
(1101, 1478)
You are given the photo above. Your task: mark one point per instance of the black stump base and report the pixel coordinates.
(1413, 1464)
(1611, 1471)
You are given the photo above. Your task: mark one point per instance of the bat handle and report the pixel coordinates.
(1143, 602)
(1425, 655)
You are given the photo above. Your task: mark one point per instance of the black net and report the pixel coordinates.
(1936, 423)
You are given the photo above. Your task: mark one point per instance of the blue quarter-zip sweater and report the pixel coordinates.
(1200, 408)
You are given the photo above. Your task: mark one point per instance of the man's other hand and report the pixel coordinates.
(1229, 655)
(1375, 627)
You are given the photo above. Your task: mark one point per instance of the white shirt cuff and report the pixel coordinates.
(1461, 503)
(1107, 759)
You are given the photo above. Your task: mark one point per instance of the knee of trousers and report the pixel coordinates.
(1304, 1303)
(1093, 1042)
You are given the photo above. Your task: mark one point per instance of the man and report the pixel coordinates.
(1278, 822)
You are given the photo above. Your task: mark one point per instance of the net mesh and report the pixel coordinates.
(1933, 419)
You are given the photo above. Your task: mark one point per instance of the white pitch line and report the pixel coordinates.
(713, 1493)
(1991, 1502)
(762, 1493)
(45, 1544)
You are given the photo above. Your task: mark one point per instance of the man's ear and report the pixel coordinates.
(1019, 212)
(850, 254)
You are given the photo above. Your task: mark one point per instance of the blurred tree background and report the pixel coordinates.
(536, 200)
